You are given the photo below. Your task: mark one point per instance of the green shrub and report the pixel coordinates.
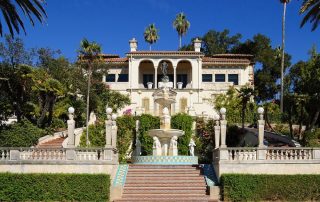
(58, 124)
(183, 122)
(54, 187)
(97, 136)
(245, 187)
(147, 122)
(205, 140)
(312, 138)
(126, 132)
(22, 134)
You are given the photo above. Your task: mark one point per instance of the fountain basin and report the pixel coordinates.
(165, 133)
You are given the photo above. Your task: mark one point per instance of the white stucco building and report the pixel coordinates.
(196, 78)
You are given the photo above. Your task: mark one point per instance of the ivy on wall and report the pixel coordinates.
(147, 122)
(183, 122)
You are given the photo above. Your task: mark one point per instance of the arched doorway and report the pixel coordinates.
(146, 73)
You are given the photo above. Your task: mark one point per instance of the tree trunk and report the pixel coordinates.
(282, 58)
(315, 118)
(51, 105)
(44, 111)
(243, 114)
(88, 100)
(267, 119)
(180, 41)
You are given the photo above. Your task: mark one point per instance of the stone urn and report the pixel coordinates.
(149, 84)
(179, 84)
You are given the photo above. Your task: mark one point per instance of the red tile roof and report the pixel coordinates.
(171, 53)
(226, 61)
(116, 60)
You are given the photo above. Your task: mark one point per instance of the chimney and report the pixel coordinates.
(133, 45)
(197, 45)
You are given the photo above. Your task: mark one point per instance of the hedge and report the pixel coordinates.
(245, 187)
(54, 187)
(183, 122)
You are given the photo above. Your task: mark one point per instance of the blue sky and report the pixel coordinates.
(113, 22)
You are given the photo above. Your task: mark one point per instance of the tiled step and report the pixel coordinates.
(169, 199)
(163, 166)
(163, 178)
(163, 191)
(170, 170)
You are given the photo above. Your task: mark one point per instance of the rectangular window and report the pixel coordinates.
(147, 78)
(233, 78)
(206, 77)
(220, 78)
(123, 78)
(111, 78)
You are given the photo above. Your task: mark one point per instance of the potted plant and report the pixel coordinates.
(180, 85)
(149, 84)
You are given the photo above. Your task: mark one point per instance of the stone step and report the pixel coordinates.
(163, 188)
(161, 178)
(161, 181)
(163, 191)
(136, 166)
(143, 175)
(173, 170)
(169, 199)
(168, 185)
(161, 196)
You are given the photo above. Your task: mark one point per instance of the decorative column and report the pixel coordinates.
(71, 126)
(191, 110)
(114, 129)
(108, 127)
(174, 77)
(155, 77)
(137, 151)
(217, 131)
(261, 123)
(261, 152)
(71, 153)
(223, 127)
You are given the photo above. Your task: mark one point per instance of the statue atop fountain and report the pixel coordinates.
(166, 136)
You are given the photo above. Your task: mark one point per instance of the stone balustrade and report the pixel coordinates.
(268, 153)
(34, 155)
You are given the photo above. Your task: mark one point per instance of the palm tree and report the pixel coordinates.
(89, 53)
(181, 24)
(312, 10)
(284, 2)
(151, 34)
(245, 94)
(30, 8)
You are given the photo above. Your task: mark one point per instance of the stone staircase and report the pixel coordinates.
(164, 183)
(55, 143)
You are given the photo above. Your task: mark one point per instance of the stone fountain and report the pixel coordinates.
(165, 138)
(165, 145)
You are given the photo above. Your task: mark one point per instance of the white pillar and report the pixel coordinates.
(108, 133)
(71, 139)
(155, 77)
(104, 78)
(223, 127)
(261, 123)
(71, 126)
(114, 129)
(217, 133)
(174, 77)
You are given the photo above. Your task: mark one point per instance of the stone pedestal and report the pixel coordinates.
(71, 138)
(71, 155)
(262, 154)
(261, 132)
(108, 133)
(217, 136)
(14, 155)
(114, 129)
(223, 128)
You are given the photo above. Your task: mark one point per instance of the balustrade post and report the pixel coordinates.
(316, 153)
(114, 129)
(14, 155)
(71, 126)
